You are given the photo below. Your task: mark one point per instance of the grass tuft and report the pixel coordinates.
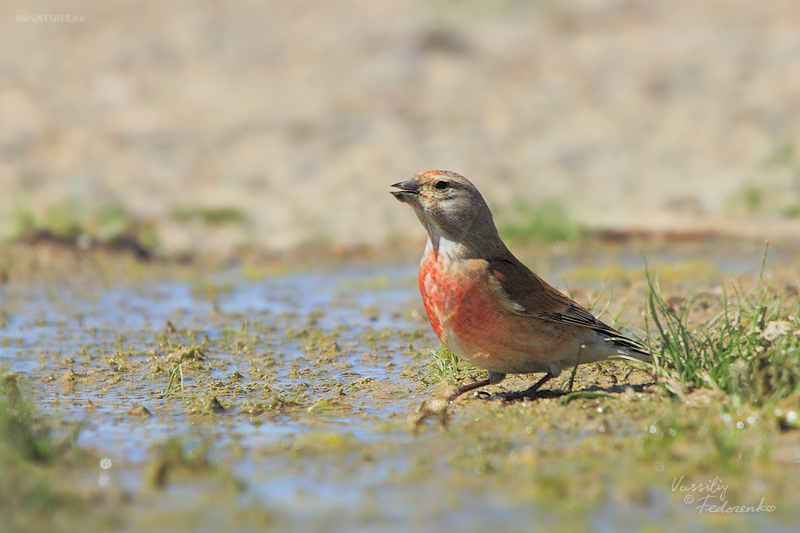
(445, 366)
(750, 349)
(186, 459)
(73, 223)
(32, 462)
(23, 438)
(210, 215)
(547, 222)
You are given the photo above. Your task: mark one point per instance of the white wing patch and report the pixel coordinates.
(507, 300)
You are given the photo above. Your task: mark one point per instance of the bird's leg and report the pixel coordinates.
(531, 391)
(468, 387)
(493, 379)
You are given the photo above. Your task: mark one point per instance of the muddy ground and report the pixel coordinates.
(286, 396)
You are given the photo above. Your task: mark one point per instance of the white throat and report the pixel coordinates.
(447, 250)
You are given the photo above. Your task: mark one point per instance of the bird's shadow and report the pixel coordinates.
(565, 396)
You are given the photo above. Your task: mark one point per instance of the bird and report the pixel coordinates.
(485, 305)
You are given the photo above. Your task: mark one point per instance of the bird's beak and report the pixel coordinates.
(409, 191)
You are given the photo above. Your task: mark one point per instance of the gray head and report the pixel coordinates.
(450, 207)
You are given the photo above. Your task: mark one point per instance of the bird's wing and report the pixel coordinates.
(525, 293)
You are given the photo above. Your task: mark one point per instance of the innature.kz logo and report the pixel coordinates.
(50, 18)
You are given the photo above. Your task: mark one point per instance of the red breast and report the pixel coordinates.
(458, 305)
(465, 313)
(436, 289)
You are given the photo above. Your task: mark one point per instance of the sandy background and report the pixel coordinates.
(641, 114)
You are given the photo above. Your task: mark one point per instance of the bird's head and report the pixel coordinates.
(449, 206)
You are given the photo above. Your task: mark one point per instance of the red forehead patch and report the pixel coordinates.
(430, 173)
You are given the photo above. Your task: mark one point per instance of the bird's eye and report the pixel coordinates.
(441, 185)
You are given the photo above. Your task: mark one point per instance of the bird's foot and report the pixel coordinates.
(531, 393)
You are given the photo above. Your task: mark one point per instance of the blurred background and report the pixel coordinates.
(207, 126)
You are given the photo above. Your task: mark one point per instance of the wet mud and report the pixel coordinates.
(249, 397)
